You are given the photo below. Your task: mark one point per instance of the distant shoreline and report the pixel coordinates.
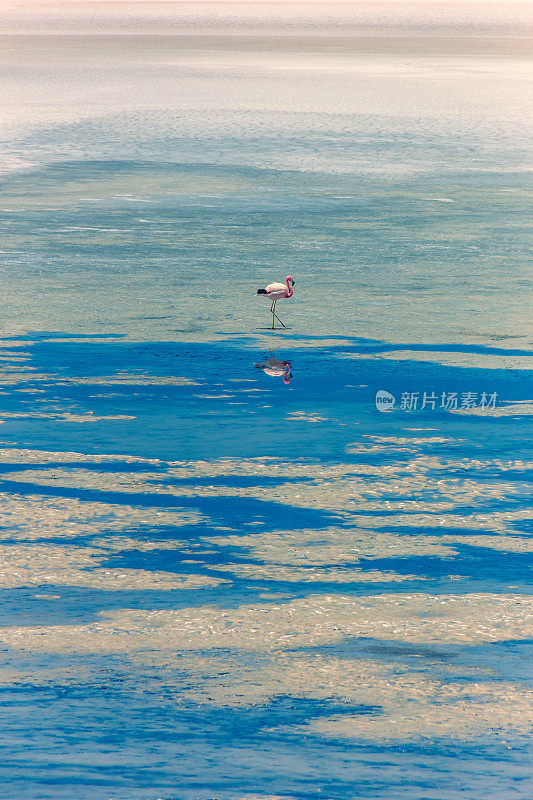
(349, 44)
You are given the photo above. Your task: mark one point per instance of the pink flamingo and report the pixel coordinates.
(277, 368)
(278, 291)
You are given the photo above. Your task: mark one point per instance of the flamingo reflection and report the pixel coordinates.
(277, 368)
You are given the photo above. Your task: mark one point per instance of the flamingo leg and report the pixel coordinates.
(275, 315)
(272, 312)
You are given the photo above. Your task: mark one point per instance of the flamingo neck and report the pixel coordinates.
(290, 290)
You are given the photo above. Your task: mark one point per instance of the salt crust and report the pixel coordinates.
(244, 656)
(66, 416)
(10, 376)
(421, 492)
(276, 572)
(42, 565)
(33, 517)
(312, 621)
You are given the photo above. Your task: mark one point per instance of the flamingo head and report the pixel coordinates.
(287, 376)
(290, 279)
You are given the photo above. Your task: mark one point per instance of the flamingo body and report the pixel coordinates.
(278, 291)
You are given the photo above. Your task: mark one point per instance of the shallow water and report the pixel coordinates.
(219, 582)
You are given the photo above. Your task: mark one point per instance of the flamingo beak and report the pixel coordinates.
(293, 281)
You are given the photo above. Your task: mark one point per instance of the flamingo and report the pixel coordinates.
(277, 368)
(278, 291)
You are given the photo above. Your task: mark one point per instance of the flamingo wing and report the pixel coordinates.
(275, 287)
